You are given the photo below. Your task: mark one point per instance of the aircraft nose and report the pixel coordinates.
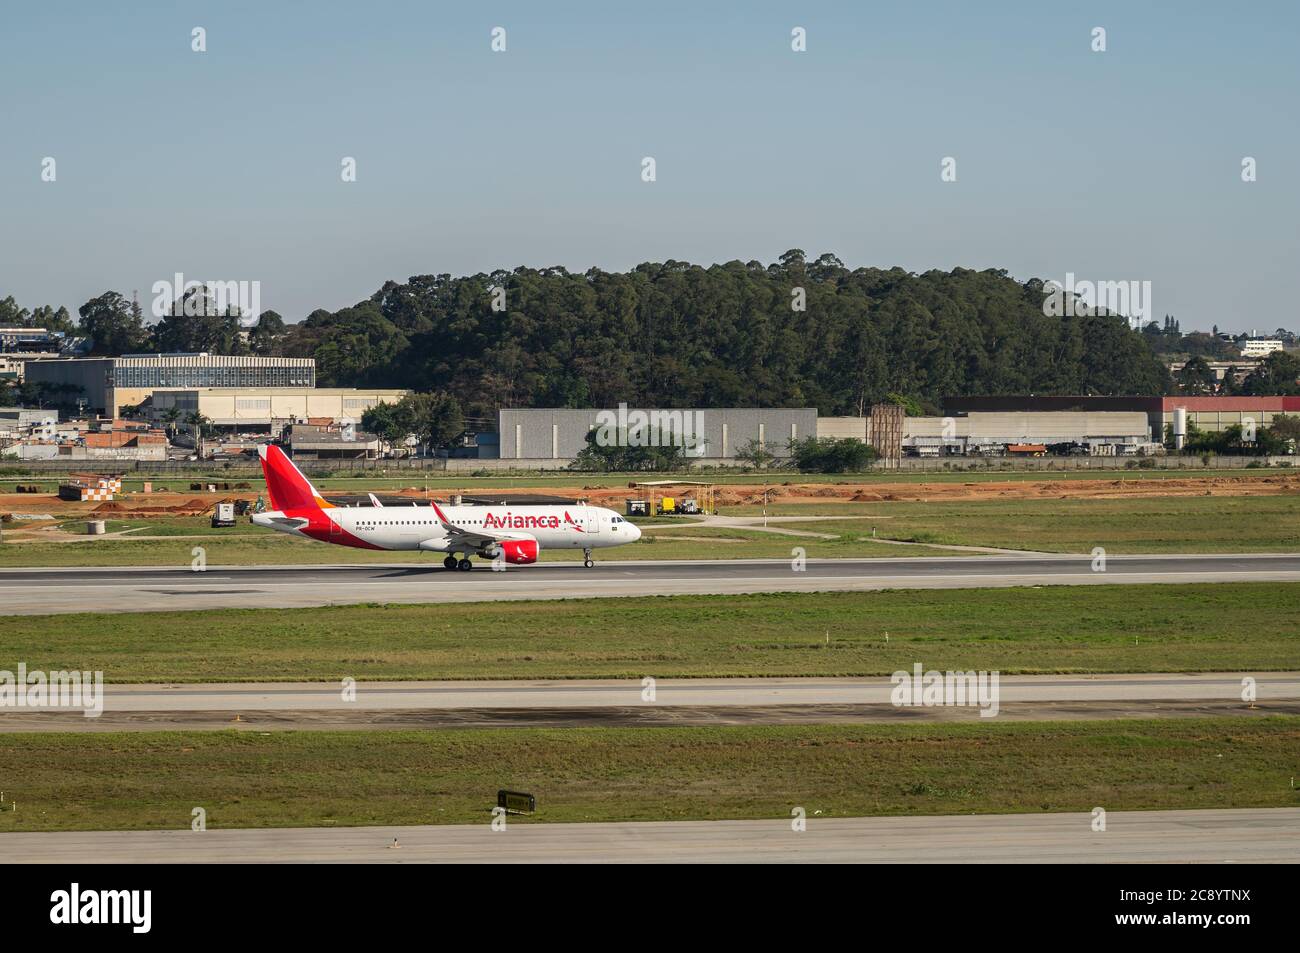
(636, 531)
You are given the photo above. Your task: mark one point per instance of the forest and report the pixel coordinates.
(673, 334)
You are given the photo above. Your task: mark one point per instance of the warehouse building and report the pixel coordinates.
(993, 432)
(1105, 432)
(1220, 413)
(110, 383)
(705, 435)
(269, 409)
(1205, 413)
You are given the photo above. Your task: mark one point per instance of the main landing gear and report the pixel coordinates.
(451, 562)
(587, 561)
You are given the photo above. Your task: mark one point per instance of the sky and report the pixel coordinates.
(225, 165)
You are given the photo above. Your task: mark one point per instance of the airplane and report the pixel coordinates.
(515, 534)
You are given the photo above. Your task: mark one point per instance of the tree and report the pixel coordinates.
(266, 337)
(644, 450)
(195, 324)
(384, 422)
(435, 420)
(201, 425)
(1277, 375)
(831, 455)
(1286, 427)
(1196, 377)
(53, 319)
(112, 325)
(755, 454)
(673, 334)
(170, 416)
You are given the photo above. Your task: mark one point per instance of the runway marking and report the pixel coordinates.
(1249, 835)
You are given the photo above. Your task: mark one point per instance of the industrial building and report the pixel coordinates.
(256, 409)
(1205, 413)
(1220, 413)
(1102, 433)
(561, 434)
(991, 433)
(110, 383)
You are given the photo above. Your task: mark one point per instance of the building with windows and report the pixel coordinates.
(1260, 348)
(108, 384)
(268, 409)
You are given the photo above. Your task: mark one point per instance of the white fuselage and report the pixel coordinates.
(418, 526)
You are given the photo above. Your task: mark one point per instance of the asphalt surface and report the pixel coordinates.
(129, 589)
(1239, 836)
(321, 705)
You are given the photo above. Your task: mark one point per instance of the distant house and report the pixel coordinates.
(1261, 347)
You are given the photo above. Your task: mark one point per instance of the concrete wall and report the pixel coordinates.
(842, 427)
(556, 434)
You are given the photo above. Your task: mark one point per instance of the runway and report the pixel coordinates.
(605, 702)
(1238, 836)
(132, 589)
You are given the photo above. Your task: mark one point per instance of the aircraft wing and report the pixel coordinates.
(458, 537)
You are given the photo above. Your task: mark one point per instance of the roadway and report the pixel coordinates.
(129, 589)
(1209, 836)
(321, 705)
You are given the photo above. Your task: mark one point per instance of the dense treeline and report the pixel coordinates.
(679, 335)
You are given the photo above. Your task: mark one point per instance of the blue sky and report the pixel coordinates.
(225, 165)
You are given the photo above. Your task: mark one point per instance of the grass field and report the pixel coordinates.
(376, 480)
(321, 779)
(1153, 628)
(246, 545)
(1189, 524)
(1143, 525)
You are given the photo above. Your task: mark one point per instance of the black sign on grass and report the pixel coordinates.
(516, 802)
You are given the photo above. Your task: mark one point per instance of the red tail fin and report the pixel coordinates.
(285, 484)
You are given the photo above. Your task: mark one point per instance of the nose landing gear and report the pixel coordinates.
(587, 561)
